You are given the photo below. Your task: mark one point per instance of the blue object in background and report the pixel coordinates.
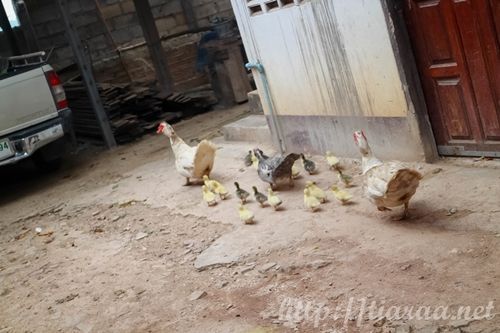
(203, 57)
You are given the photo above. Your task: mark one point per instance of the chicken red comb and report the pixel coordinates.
(160, 128)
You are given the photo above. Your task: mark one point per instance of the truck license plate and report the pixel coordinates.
(5, 150)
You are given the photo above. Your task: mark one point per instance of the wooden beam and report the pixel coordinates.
(156, 51)
(187, 8)
(240, 84)
(86, 71)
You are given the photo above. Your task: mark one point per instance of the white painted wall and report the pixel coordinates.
(325, 57)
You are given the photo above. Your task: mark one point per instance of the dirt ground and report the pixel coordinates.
(124, 247)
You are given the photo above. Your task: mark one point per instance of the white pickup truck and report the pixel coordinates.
(35, 120)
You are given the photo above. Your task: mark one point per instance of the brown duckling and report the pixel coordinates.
(259, 197)
(241, 193)
(309, 165)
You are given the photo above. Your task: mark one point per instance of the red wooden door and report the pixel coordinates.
(456, 44)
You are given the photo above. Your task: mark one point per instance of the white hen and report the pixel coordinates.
(191, 162)
(387, 184)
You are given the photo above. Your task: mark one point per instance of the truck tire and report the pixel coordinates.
(49, 158)
(45, 165)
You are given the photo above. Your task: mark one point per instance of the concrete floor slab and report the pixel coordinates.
(251, 129)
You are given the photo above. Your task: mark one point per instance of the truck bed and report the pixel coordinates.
(26, 99)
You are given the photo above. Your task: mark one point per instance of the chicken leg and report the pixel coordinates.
(406, 211)
(405, 214)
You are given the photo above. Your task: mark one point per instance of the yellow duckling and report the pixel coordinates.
(208, 196)
(273, 200)
(332, 160)
(245, 215)
(310, 201)
(316, 191)
(295, 172)
(208, 183)
(255, 161)
(341, 195)
(216, 187)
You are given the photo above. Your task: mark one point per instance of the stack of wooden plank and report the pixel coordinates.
(131, 109)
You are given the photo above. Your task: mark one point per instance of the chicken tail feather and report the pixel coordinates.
(204, 159)
(404, 184)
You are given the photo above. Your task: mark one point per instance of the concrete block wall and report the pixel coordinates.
(181, 56)
(49, 30)
(206, 9)
(168, 15)
(121, 21)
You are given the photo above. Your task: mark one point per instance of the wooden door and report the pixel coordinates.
(456, 44)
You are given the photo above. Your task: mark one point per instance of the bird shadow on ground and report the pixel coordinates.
(349, 203)
(424, 213)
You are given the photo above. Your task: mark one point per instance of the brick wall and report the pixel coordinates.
(123, 26)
